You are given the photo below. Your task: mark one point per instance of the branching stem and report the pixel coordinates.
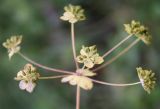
(117, 56)
(73, 45)
(52, 77)
(116, 46)
(113, 84)
(44, 67)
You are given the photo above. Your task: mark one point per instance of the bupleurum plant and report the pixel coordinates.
(85, 62)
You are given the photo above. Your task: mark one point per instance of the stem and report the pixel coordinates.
(52, 77)
(117, 56)
(73, 44)
(78, 98)
(116, 46)
(83, 67)
(113, 84)
(42, 66)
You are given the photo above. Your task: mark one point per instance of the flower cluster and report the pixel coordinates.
(147, 79)
(73, 14)
(27, 78)
(81, 79)
(138, 30)
(12, 44)
(89, 56)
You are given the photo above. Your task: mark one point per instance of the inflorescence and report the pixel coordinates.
(27, 78)
(89, 57)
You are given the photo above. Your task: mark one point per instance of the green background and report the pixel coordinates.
(47, 41)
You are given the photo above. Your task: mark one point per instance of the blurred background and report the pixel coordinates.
(47, 41)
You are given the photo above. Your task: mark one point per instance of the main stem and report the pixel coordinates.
(73, 44)
(42, 66)
(78, 98)
(117, 56)
(113, 84)
(116, 46)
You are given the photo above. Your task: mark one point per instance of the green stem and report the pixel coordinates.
(116, 46)
(44, 67)
(117, 56)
